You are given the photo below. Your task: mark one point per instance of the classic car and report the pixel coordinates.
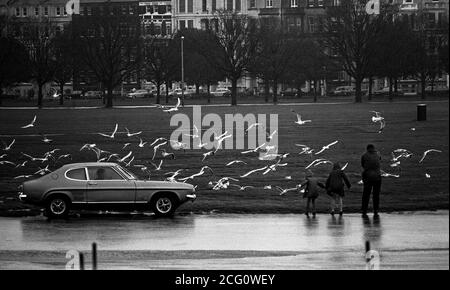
(102, 186)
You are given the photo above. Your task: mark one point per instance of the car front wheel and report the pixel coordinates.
(164, 206)
(58, 207)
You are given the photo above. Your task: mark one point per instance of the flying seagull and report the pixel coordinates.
(31, 124)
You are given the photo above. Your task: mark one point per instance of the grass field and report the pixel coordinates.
(349, 123)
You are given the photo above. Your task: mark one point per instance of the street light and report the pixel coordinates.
(182, 71)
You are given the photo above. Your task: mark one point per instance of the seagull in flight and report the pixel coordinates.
(45, 139)
(242, 188)
(254, 125)
(125, 157)
(284, 191)
(3, 162)
(158, 140)
(31, 124)
(254, 171)
(299, 119)
(385, 174)
(254, 150)
(326, 147)
(8, 147)
(201, 172)
(314, 162)
(112, 134)
(173, 175)
(132, 134)
(157, 167)
(427, 152)
(195, 135)
(173, 109)
(88, 146)
(378, 119)
(141, 143)
(165, 154)
(207, 154)
(157, 147)
(270, 136)
(235, 162)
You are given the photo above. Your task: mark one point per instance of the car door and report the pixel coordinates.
(107, 186)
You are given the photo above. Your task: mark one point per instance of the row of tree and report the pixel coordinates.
(364, 46)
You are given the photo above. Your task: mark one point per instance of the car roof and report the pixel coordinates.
(85, 164)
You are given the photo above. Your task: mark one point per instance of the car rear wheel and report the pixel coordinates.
(58, 207)
(164, 205)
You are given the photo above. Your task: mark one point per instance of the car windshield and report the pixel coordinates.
(127, 173)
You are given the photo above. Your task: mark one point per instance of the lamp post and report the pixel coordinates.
(182, 71)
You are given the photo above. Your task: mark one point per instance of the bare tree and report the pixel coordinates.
(161, 61)
(64, 60)
(276, 51)
(13, 60)
(109, 47)
(350, 34)
(40, 45)
(229, 46)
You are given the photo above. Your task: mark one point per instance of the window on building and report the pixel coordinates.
(58, 11)
(252, 3)
(320, 2)
(190, 7)
(89, 11)
(294, 3)
(17, 11)
(124, 10)
(204, 5)
(36, 11)
(237, 5)
(24, 11)
(65, 10)
(182, 7)
(310, 3)
(312, 24)
(269, 3)
(229, 5)
(46, 11)
(190, 23)
(214, 5)
(182, 24)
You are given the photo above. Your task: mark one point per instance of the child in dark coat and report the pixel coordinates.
(311, 192)
(335, 187)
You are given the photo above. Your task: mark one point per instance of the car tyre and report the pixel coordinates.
(164, 205)
(57, 206)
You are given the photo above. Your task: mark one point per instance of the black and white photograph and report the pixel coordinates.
(241, 138)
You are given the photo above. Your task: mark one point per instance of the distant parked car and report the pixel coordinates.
(436, 89)
(221, 92)
(93, 95)
(138, 94)
(100, 185)
(344, 91)
(385, 91)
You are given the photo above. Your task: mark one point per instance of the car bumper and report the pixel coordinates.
(191, 197)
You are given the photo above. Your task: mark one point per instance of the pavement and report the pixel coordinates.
(408, 240)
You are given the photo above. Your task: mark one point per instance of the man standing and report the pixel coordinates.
(371, 177)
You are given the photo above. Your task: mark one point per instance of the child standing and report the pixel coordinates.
(335, 187)
(311, 192)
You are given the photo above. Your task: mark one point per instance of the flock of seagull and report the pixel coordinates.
(160, 146)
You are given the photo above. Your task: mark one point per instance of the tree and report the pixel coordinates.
(64, 61)
(161, 61)
(276, 50)
(229, 46)
(393, 52)
(41, 53)
(109, 47)
(351, 34)
(198, 70)
(13, 63)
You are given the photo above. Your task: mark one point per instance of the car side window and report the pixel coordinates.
(103, 173)
(77, 174)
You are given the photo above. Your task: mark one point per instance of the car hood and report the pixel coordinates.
(163, 184)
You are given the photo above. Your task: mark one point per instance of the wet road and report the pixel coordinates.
(230, 241)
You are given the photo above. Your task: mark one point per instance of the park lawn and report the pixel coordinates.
(349, 123)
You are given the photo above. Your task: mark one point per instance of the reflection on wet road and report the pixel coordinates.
(323, 242)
